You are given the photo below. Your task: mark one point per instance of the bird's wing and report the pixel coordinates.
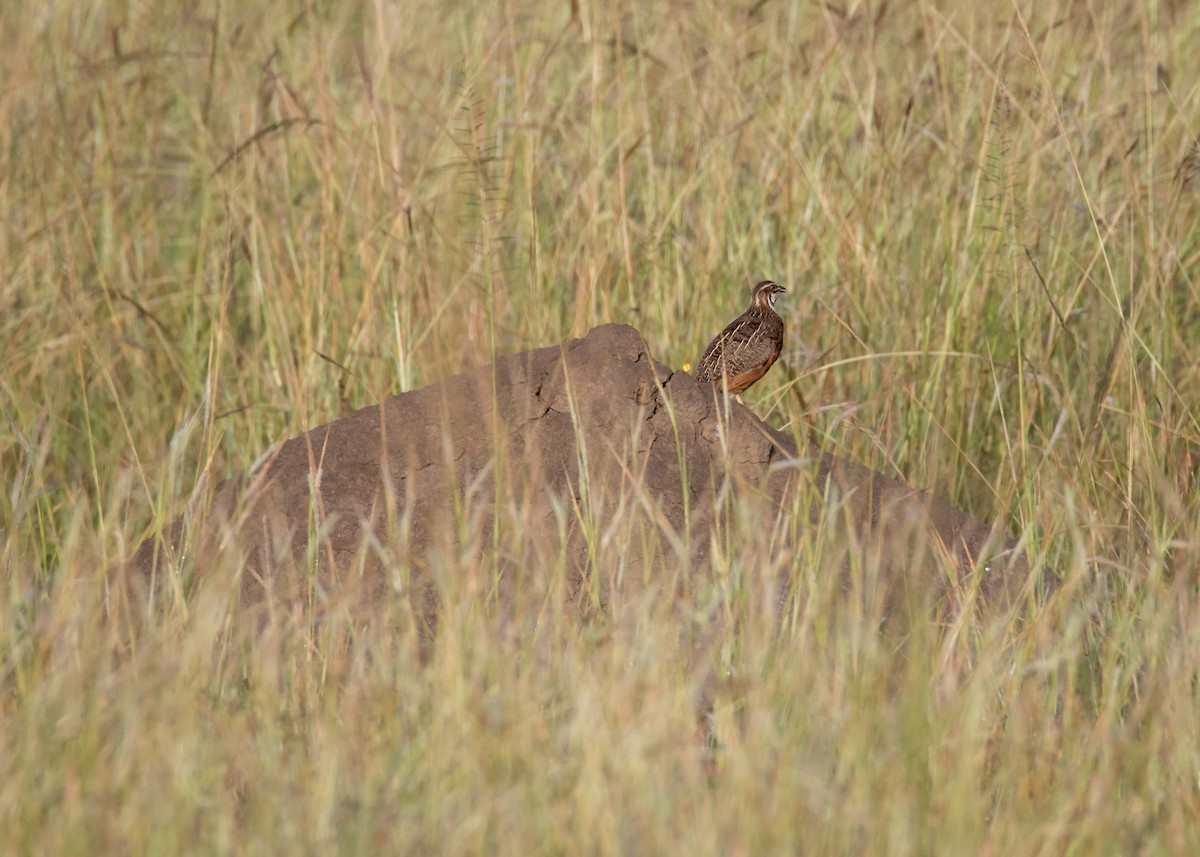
(741, 346)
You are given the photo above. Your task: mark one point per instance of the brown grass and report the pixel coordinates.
(221, 224)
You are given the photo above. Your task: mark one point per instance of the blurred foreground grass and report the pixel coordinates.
(222, 224)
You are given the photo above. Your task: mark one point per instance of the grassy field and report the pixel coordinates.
(224, 223)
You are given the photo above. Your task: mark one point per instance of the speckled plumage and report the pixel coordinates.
(748, 346)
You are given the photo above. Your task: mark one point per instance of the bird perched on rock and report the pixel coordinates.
(748, 346)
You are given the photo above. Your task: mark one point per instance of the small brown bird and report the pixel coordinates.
(748, 346)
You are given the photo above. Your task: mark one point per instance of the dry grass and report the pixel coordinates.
(221, 224)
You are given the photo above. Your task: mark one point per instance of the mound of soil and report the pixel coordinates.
(552, 439)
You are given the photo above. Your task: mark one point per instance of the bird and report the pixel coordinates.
(748, 346)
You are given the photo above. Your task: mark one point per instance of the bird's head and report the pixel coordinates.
(766, 293)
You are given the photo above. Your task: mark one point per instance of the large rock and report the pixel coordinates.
(566, 440)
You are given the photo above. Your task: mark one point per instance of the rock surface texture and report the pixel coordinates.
(567, 441)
